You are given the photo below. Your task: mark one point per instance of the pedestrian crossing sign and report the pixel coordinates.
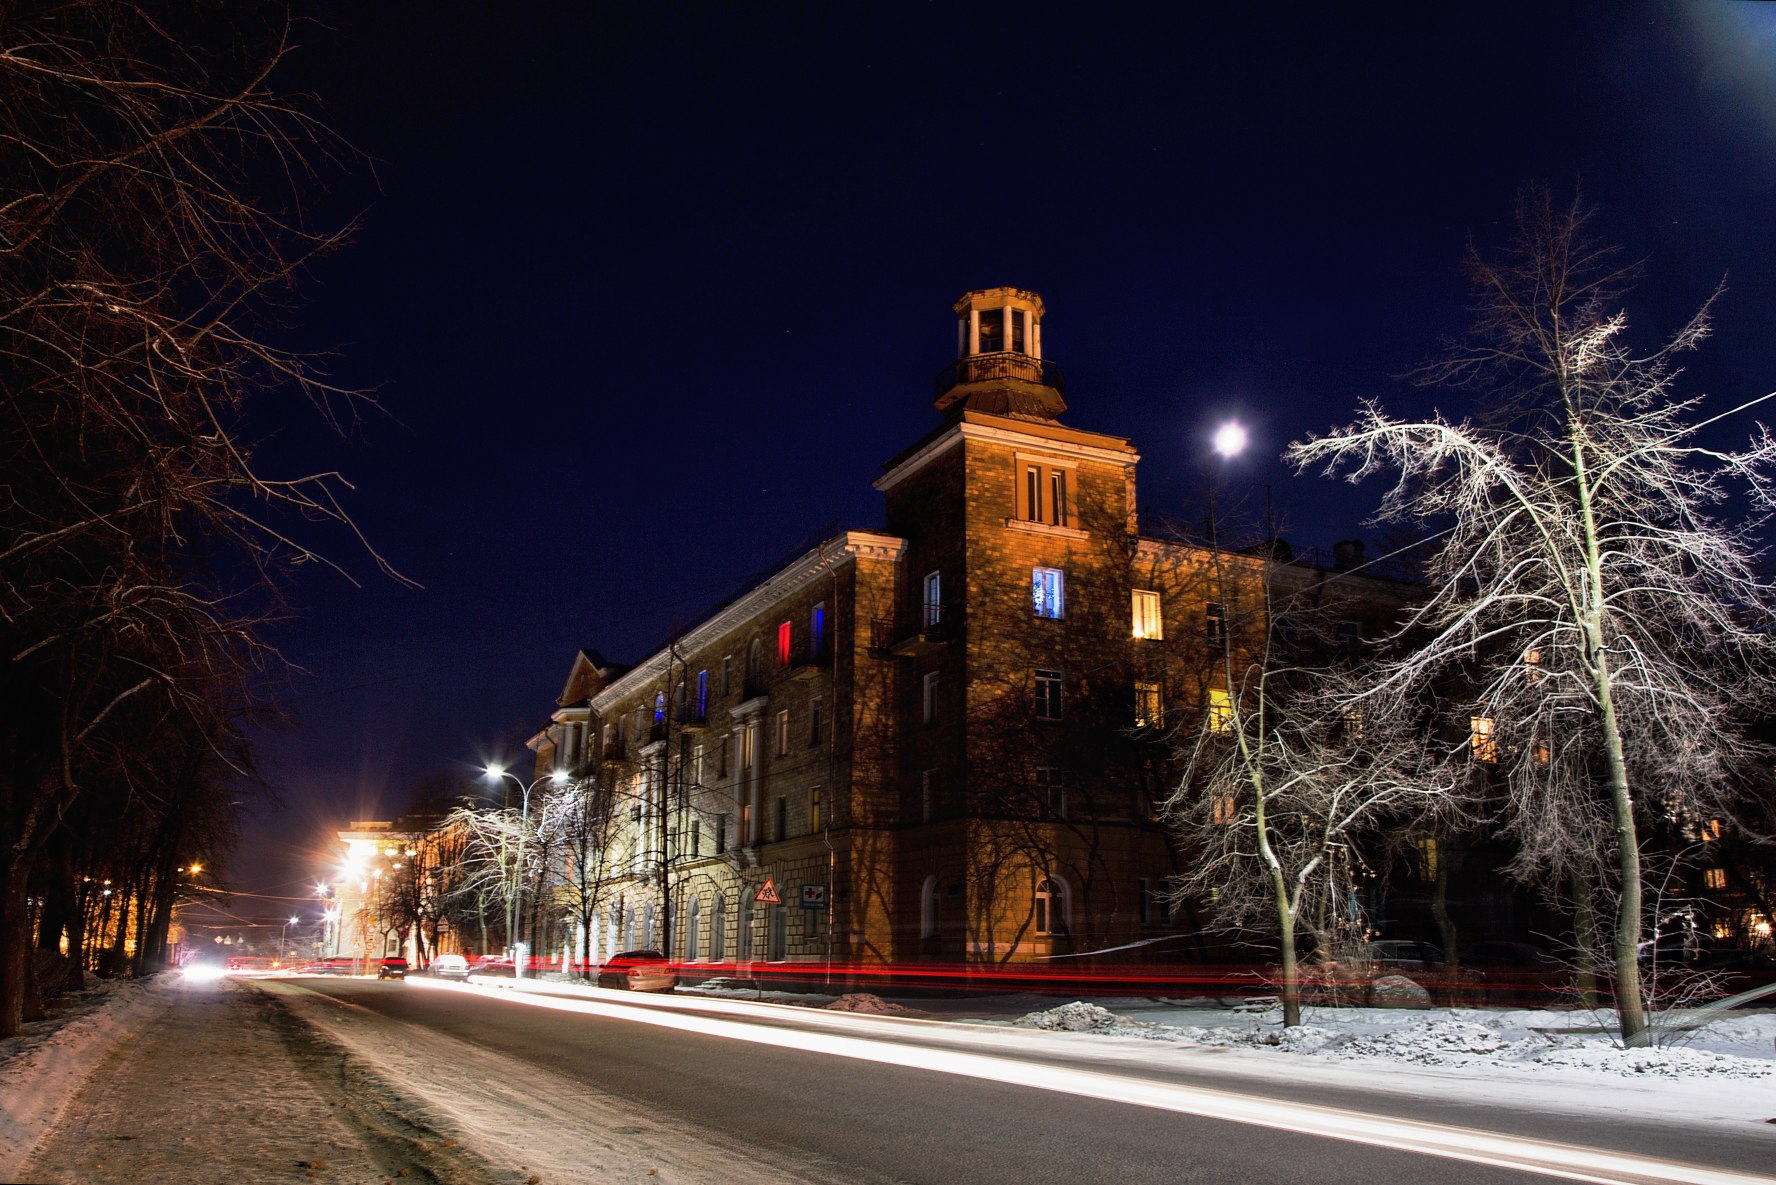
(767, 894)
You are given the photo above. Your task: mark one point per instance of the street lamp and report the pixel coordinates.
(282, 936)
(513, 914)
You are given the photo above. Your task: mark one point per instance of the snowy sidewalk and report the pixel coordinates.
(215, 1082)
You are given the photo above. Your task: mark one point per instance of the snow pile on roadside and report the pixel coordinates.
(1732, 1047)
(870, 1003)
(1080, 1017)
(43, 1068)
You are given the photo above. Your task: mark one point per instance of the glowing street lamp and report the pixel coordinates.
(285, 934)
(514, 914)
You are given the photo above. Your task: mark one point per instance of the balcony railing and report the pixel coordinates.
(1005, 364)
(927, 631)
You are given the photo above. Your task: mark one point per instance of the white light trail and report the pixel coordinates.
(1543, 1157)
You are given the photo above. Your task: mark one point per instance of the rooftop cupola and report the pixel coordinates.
(999, 366)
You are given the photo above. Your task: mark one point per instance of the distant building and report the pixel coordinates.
(942, 742)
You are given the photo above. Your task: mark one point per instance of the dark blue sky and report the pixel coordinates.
(649, 292)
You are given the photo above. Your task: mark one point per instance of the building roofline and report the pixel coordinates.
(974, 425)
(791, 578)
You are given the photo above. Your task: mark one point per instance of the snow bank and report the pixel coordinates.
(43, 1068)
(1736, 1046)
(868, 1002)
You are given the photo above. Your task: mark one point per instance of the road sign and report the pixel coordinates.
(813, 896)
(767, 894)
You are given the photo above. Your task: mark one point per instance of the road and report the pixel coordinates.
(792, 1095)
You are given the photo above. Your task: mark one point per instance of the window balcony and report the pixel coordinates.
(692, 716)
(923, 634)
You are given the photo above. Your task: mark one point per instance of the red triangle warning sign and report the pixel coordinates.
(767, 893)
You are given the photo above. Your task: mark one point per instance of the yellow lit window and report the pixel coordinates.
(1146, 615)
(1427, 859)
(1482, 739)
(1715, 878)
(1223, 810)
(1220, 713)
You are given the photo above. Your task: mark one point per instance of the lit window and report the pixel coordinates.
(1532, 662)
(817, 631)
(702, 695)
(1048, 592)
(659, 706)
(1220, 710)
(814, 809)
(1214, 623)
(933, 606)
(1146, 615)
(1044, 492)
(1033, 493)
(783, 733)
(1048, 695)
(1715, 878)
(1482, 739)
(785, 638)
(1223, 810)
(929, 698)
(1356, 726)
(1050, 907)
(1057, 497)
(1427, 859)
(1149, 712)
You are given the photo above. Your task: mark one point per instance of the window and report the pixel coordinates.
(1483, 739)
(991, 331)
(1051, 906)
(718, 929)
(697, 766)
(1427, 859)
(782, 818)
(929, 900)
(1051, 790)
(721, 837)
(928, 698)
(691, 928)
(727, 675)
(925, 802)
(785, 638)
(1048, 592)
(755, 659)
(1044, 492)
(1146, 615)
(1350, 640)
(696, 838)
(1048, 695)
(815, 721)
(702, 703)
(783, 733)
(817, 632)
(813, 924)
(1214, 623)
(1532, 662)
(932, 609)
(814, 809)
(1220, 710)
(1149, 712)
(1356, 726)
(659, 706)
(721, 757)
(1715, 878)
(743, 932)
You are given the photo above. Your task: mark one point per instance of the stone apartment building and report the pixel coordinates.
(941, 743)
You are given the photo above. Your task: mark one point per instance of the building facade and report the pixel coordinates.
(943, 743)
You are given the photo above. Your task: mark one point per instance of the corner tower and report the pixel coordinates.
(999, 367)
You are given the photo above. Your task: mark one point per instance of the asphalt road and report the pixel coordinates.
(843, 1120)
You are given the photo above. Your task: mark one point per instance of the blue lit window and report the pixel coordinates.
(1048, 592)
(702, 694)
(817, 631)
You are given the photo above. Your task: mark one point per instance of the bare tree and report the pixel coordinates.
(153, 217)
(1586, 584)
(1286, 774)
(580, 824)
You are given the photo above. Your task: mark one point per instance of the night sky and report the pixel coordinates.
(649, 292)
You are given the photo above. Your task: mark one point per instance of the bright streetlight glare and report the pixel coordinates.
(495, 772)
(1230, 439)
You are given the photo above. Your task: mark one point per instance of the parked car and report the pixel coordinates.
(450, 967)
(1393, 956)
(392, 969)
(1513, 972)
(638, 971)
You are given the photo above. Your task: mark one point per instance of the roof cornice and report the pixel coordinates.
(790, 579)
(1049, 438)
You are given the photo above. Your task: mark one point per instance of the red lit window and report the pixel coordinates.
(783, 633)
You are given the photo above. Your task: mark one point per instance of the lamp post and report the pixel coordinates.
(514, 914)
(284, 934)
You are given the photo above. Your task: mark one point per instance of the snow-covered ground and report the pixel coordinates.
(1721, 1073)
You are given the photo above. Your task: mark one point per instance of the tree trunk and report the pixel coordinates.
(1584, 939)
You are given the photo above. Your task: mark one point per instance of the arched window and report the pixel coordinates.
(691, 925)
(930, 897)
(647, 927)
(776, 933)
(718, 929)
(743, 935)
(1051, 906)
(755, 659)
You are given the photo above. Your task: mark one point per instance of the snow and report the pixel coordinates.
(524, 1120)
(43, 1067)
